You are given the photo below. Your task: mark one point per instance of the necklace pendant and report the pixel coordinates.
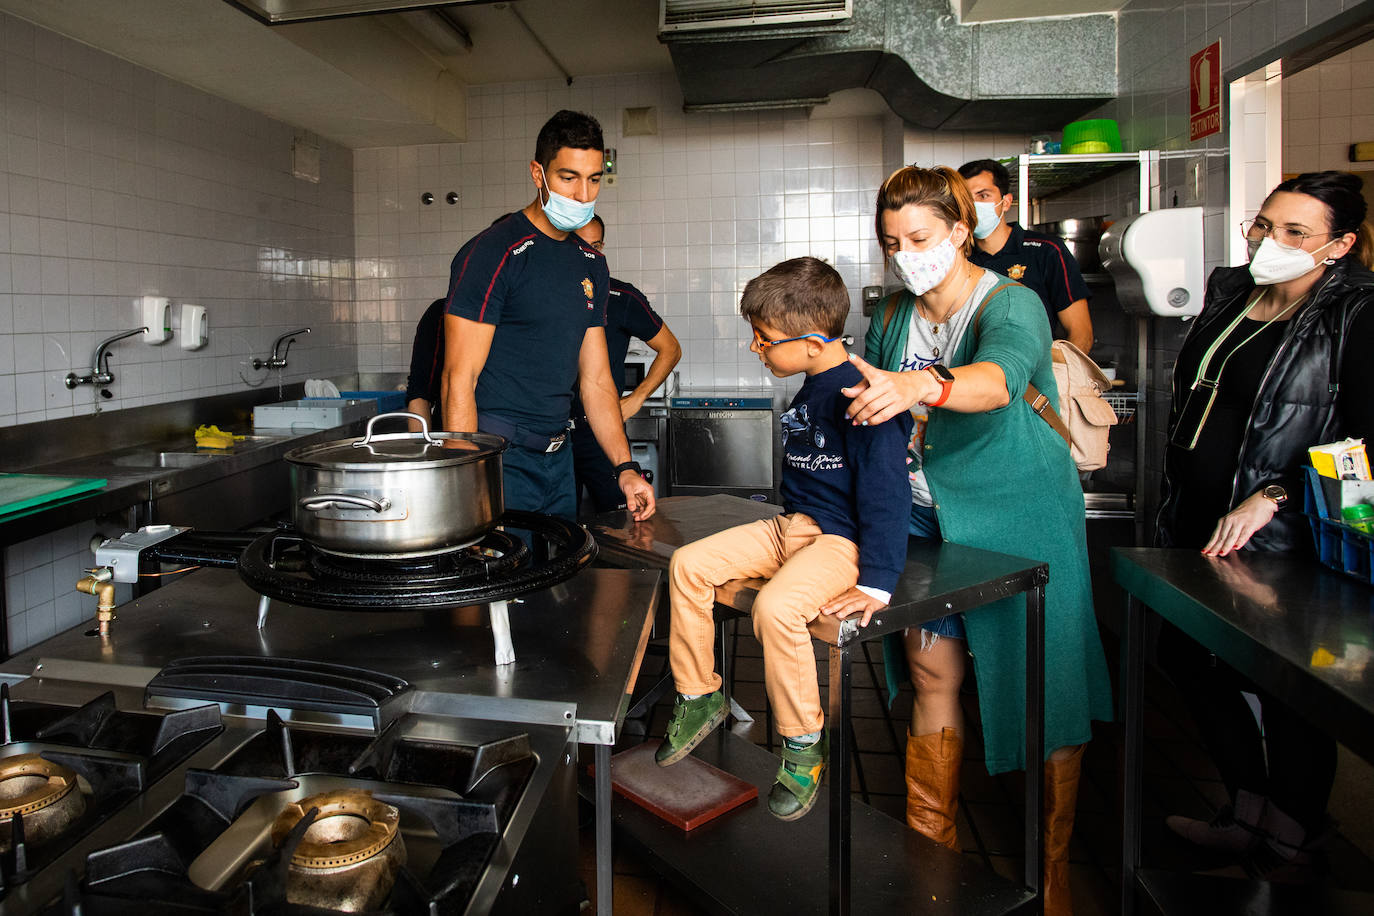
(935, 351)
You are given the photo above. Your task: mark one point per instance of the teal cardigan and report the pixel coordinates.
(1003, 480)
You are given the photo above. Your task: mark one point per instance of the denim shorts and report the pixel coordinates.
(926, 527)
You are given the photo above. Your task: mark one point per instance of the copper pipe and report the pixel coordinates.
(98, 583)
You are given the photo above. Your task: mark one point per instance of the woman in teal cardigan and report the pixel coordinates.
(958, 348)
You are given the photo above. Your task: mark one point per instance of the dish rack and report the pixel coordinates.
(1339, 546)
(1123, 402)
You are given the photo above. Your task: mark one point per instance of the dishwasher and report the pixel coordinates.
(724, 440)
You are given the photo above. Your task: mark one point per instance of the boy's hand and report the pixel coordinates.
(853, 602)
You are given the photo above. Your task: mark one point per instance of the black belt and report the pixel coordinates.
(489, 423)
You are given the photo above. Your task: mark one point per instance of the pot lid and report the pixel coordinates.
(422, 449)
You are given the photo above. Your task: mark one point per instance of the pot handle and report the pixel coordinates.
(422, 434)
(342, 501)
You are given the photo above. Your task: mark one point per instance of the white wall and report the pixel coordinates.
(698, 210)
(116, 182)
(1326, 108)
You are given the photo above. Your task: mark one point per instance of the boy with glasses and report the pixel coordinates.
(838, 548)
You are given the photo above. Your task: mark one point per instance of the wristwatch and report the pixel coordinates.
(627, 466)
(946, 380)
(1275, 494)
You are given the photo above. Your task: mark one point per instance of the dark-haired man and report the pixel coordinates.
(628, 314)
(526, 312)
(1031, 258)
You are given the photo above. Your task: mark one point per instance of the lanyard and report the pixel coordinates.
(1201, 378)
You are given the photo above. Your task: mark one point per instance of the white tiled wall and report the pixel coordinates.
(1326, 108)
(117, 182)
(697, 210)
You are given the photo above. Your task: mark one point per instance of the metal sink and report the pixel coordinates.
(164, 459)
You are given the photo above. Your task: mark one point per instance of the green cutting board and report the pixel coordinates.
(24, 491)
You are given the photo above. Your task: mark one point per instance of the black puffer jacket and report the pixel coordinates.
(1296, 406)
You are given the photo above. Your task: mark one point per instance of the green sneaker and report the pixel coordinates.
(692, 721)
(798, 782)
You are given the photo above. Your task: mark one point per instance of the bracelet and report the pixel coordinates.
(627, 466)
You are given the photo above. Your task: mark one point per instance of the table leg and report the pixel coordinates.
(1133, 690)
(1035, 733)
(604, 881)
(838, 778)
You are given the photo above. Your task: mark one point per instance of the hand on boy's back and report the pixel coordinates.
(853, 602)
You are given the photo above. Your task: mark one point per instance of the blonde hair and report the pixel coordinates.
(941, 189)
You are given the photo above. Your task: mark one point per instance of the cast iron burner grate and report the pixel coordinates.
(116, 755)
(456, 799)
(284, 566)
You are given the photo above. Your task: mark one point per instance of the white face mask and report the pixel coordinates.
(988, 218)
(922, 271)
(1272, 263)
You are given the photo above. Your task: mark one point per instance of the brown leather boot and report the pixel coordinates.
(932, 784)
(1061, 800)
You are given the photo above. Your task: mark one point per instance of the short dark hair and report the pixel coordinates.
(797, 296)
(567, 129)
(596, 218)
(1000, 176)
(1346, 209)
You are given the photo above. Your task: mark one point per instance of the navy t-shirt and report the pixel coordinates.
(542, 295)
(851, 479)
(426, 379)
(1041, 262)
(627, 315)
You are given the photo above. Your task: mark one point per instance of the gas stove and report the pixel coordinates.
(383, 751)
(194, 811)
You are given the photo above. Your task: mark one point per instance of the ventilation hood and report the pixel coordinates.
(932, 70)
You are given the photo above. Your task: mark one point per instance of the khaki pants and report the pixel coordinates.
(805, 569)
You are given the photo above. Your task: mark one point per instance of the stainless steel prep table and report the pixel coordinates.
(939, 579)
(1271, 617)
(578, 649)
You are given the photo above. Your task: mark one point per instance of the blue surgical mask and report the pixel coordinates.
(566, 214)
(988, 219)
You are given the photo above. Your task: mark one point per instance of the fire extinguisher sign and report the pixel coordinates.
(1204, 92)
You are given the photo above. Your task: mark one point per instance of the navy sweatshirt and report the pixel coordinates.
(851, 479)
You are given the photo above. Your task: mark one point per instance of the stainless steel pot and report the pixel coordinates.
(397, 494)
(1080, 236)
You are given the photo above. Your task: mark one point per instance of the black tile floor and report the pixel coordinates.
(1178, 779)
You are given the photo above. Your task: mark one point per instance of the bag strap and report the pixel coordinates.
(1039, 403)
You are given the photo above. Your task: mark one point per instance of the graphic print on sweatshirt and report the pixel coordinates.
(803, 443)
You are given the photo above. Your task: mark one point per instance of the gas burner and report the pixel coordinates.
(43, 794)
(284, 566)
(349, 853)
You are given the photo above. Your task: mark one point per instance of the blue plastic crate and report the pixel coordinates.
(1339, 546)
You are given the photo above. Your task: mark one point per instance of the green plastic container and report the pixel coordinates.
(1095, 135)
(1360, 517)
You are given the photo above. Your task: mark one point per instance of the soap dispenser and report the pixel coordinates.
(195, 327)
(157, 319)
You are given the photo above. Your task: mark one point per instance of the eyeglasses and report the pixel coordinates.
(764, 343)
(1256, 229)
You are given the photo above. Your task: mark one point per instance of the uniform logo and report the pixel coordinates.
(587, 287)
(522, 247)
(1016, 271)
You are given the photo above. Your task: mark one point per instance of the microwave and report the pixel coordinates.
(635, 367)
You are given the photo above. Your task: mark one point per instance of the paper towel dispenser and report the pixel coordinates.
(1156, 259)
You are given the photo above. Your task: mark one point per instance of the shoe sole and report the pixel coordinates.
(699, 737)
(805, 809)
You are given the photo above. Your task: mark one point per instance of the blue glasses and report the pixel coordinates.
(763, 343)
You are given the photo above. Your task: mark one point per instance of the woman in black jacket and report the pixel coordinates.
(1276, 362)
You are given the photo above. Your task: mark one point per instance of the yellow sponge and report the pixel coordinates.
(214, 437)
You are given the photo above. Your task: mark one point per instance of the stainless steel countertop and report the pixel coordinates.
(578, 646)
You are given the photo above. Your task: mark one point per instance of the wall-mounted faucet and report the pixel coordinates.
(100, 374)
(276, 361)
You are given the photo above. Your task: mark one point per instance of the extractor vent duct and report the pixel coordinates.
(685, 15)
